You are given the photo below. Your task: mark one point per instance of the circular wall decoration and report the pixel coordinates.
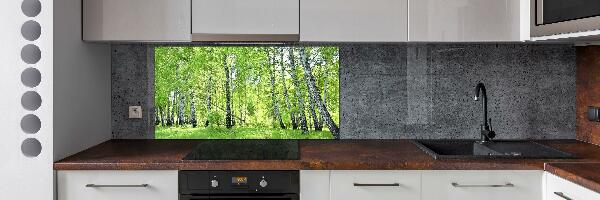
(31, 100)
(31, 8)
(31, 77)
(31, 30)
(31, 54)
(31, 147)
(31, 124)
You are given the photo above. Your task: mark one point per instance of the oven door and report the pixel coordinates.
(241, 197)
(552, 17)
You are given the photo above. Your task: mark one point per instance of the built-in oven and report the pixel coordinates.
(553, 17)
(238, 185)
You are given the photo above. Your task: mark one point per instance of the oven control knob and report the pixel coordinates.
(263, 183)
(214, 183)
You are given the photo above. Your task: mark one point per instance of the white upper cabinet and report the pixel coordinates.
(469, 20)
(307, 20)
(245, 20)
(354, 20)
(136, 20)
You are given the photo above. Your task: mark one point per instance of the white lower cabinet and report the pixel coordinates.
(482, 184)
(380, 185)
(117, 185)
(314, 184)
(422, 185)
(560, 189)
(341, 185)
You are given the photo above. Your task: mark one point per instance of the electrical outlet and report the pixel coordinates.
(135, 112)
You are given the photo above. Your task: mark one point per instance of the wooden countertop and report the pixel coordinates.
(331, 155)
(314, 154)
(584, 174)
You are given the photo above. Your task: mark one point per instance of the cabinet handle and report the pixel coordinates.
(115, 186)
(473, 186)
(376, 185)
(562, 195)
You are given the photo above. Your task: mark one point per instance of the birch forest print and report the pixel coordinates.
(246, 92)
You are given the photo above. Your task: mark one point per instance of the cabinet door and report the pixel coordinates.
(353, 20)
(482, 184)
(560, 189)
(314, 185)
(136, 20)
(468, 20)
(117, 185)
(379, 185)
(245, 20)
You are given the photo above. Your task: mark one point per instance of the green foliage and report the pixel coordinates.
(214, 118)
(188, 77)
(187, 132)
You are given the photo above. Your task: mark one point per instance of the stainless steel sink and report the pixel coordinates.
(467, 149)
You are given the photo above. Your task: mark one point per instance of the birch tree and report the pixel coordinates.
(276, 113)
(299, 98)
(285, 90)
(228, 122)
(314, 92)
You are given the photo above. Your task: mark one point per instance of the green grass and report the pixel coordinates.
(187, 132)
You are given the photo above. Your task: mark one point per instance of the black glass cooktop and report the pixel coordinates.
(245, 150)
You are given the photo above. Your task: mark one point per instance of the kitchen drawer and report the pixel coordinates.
(482, 184)
(379, 185)
(161, 185)
(556, 186)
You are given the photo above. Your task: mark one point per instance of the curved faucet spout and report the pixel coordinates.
(486, 133)
(480, 88)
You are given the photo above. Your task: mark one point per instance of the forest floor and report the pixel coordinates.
(187, 132)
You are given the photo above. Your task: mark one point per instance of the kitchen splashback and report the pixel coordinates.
(394, 91)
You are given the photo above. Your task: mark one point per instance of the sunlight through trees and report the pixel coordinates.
(247, 92)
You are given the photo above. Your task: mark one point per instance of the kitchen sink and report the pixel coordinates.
(468, 149)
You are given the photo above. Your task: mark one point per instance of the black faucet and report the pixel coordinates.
(487, 134)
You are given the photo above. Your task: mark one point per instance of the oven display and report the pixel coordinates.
(239, 180)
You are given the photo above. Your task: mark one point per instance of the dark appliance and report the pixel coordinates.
(551, 17)
(245, 150)
(238, 185)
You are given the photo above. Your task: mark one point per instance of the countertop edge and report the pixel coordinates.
(573, 177)
(398, 154)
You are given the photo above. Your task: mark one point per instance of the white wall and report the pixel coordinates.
(82, 88)
(82, 91)
(24, 177)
